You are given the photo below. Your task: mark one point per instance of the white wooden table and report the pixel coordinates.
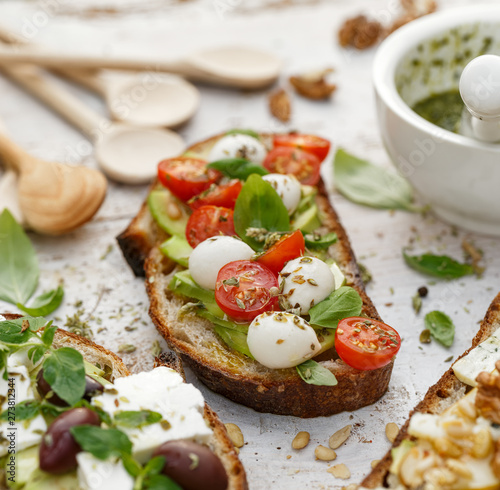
(101, 289)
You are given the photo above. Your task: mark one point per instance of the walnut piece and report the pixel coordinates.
(313, 85)
(495, 461)
(413, 10)
(360, 32)
(488, 394)
(279, 105)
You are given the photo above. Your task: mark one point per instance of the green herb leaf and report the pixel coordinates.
(101, 443)
(4, 355)
(259, 206)
(36, 353)
(370, 185)
(48, 335)
(237, 168)
(65, 372)
(440, 266)
(44, 304)
(315, 374)
(131, 465)
(36, 323)
(234, 339)
(141, 418)
(342, 303)
(18, 262)
(248, 132)
(25, 410)
(318, 242)
(154, 466)
(11, 332)
(441, 327)
(160, 482)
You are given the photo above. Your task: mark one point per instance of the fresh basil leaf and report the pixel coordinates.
(36, 353)
(440, 266)
(131, 465)
(18, 262)
(248, 132)
(237, 168)
(140, 418)
(25, 410)
(342, 303)
(441, 327)
(370, 185)
(154, 466)
(48, 335)
(234, 339)
(11, 332)
(44, 304)
(65, 372)
(160, 482)
(318, 242)
(315, 374)
(258, 206)
(101, 443)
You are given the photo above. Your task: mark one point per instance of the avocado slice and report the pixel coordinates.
(26, 463)
(308, 220)
(40, 480)
(178, 249)
(158, 201)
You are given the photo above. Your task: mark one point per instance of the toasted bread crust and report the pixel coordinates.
(442, 394)
(232, 374)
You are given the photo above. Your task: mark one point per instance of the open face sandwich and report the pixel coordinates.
(452, 439)
(252, 280)
(74, 417)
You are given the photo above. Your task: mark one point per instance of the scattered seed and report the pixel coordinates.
(235, 435)
(375, 462)
(391, 431)
(301, 440)
(340, 471)
(324, 453)
(337, 439)
(126, 348)
(423, 292)
(288, 456)
(425, 336)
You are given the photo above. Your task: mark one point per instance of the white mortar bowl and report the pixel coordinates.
(458, 176)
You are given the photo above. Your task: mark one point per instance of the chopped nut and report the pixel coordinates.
(324, 453)
(445, 447)
(482, 443)
(488, 395)
(279, 105)
(391, 431)
(359, 32)
(340, 471)
(495, 462)
(301, 440)
(475, 255)
(235, 435)
(337, 439)
(375, 462)
(313, 85)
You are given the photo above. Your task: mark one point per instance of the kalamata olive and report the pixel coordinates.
(192, 465)
(58, 449)
(91, 388)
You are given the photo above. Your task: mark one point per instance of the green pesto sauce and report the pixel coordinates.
(443, 110)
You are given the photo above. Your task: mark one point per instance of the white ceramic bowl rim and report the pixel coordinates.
(397, 45)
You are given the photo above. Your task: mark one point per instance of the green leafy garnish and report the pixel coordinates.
(441, 327)
(342, 303)
(160, 482)
(320, 242)
(101, 443)
(65, 372)
(248, 132)
(11, 332)
(259, 207)
(370, 185)
(234, 339)
(140, 418)
(25, 410)
(315, 374)
(45, 303)
(440, 266)
(237, 168)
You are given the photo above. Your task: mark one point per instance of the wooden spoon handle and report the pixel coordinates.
(13, 156)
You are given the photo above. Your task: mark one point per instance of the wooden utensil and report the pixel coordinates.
(231, 66)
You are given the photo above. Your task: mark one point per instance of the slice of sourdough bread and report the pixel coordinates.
(239, 378)
(448, 390)
(219, 443)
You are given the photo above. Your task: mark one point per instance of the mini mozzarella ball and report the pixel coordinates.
(238, 146)
(304, 282)
(287, 187)
(281, 340)
(211, 255)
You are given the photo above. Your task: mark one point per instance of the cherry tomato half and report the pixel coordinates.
(289, 247)
(185, 177)
(287, 160)
(366, 344)
(243, 288)
(307, 142)
(209, 221)
(224, 195)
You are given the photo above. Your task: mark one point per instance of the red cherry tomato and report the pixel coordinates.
(209, 221)
(307, 142)
(224, 195)
(287, 160)
(185, 177)
(366, 344)
(243, 288)
(289, 247)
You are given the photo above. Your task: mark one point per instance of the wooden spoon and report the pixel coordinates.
(54, 198)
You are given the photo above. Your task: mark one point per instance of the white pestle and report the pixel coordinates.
(480, 90)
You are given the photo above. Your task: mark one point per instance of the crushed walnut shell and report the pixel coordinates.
(280, 105)
(488, 394)
(313, 85)
(360, 32)
(413, 9)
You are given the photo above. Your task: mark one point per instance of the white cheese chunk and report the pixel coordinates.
(287, 187)
(161, 390)
(2, 318)
(95, 474)
(238, 146)
(481, 358)
(426, 426)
